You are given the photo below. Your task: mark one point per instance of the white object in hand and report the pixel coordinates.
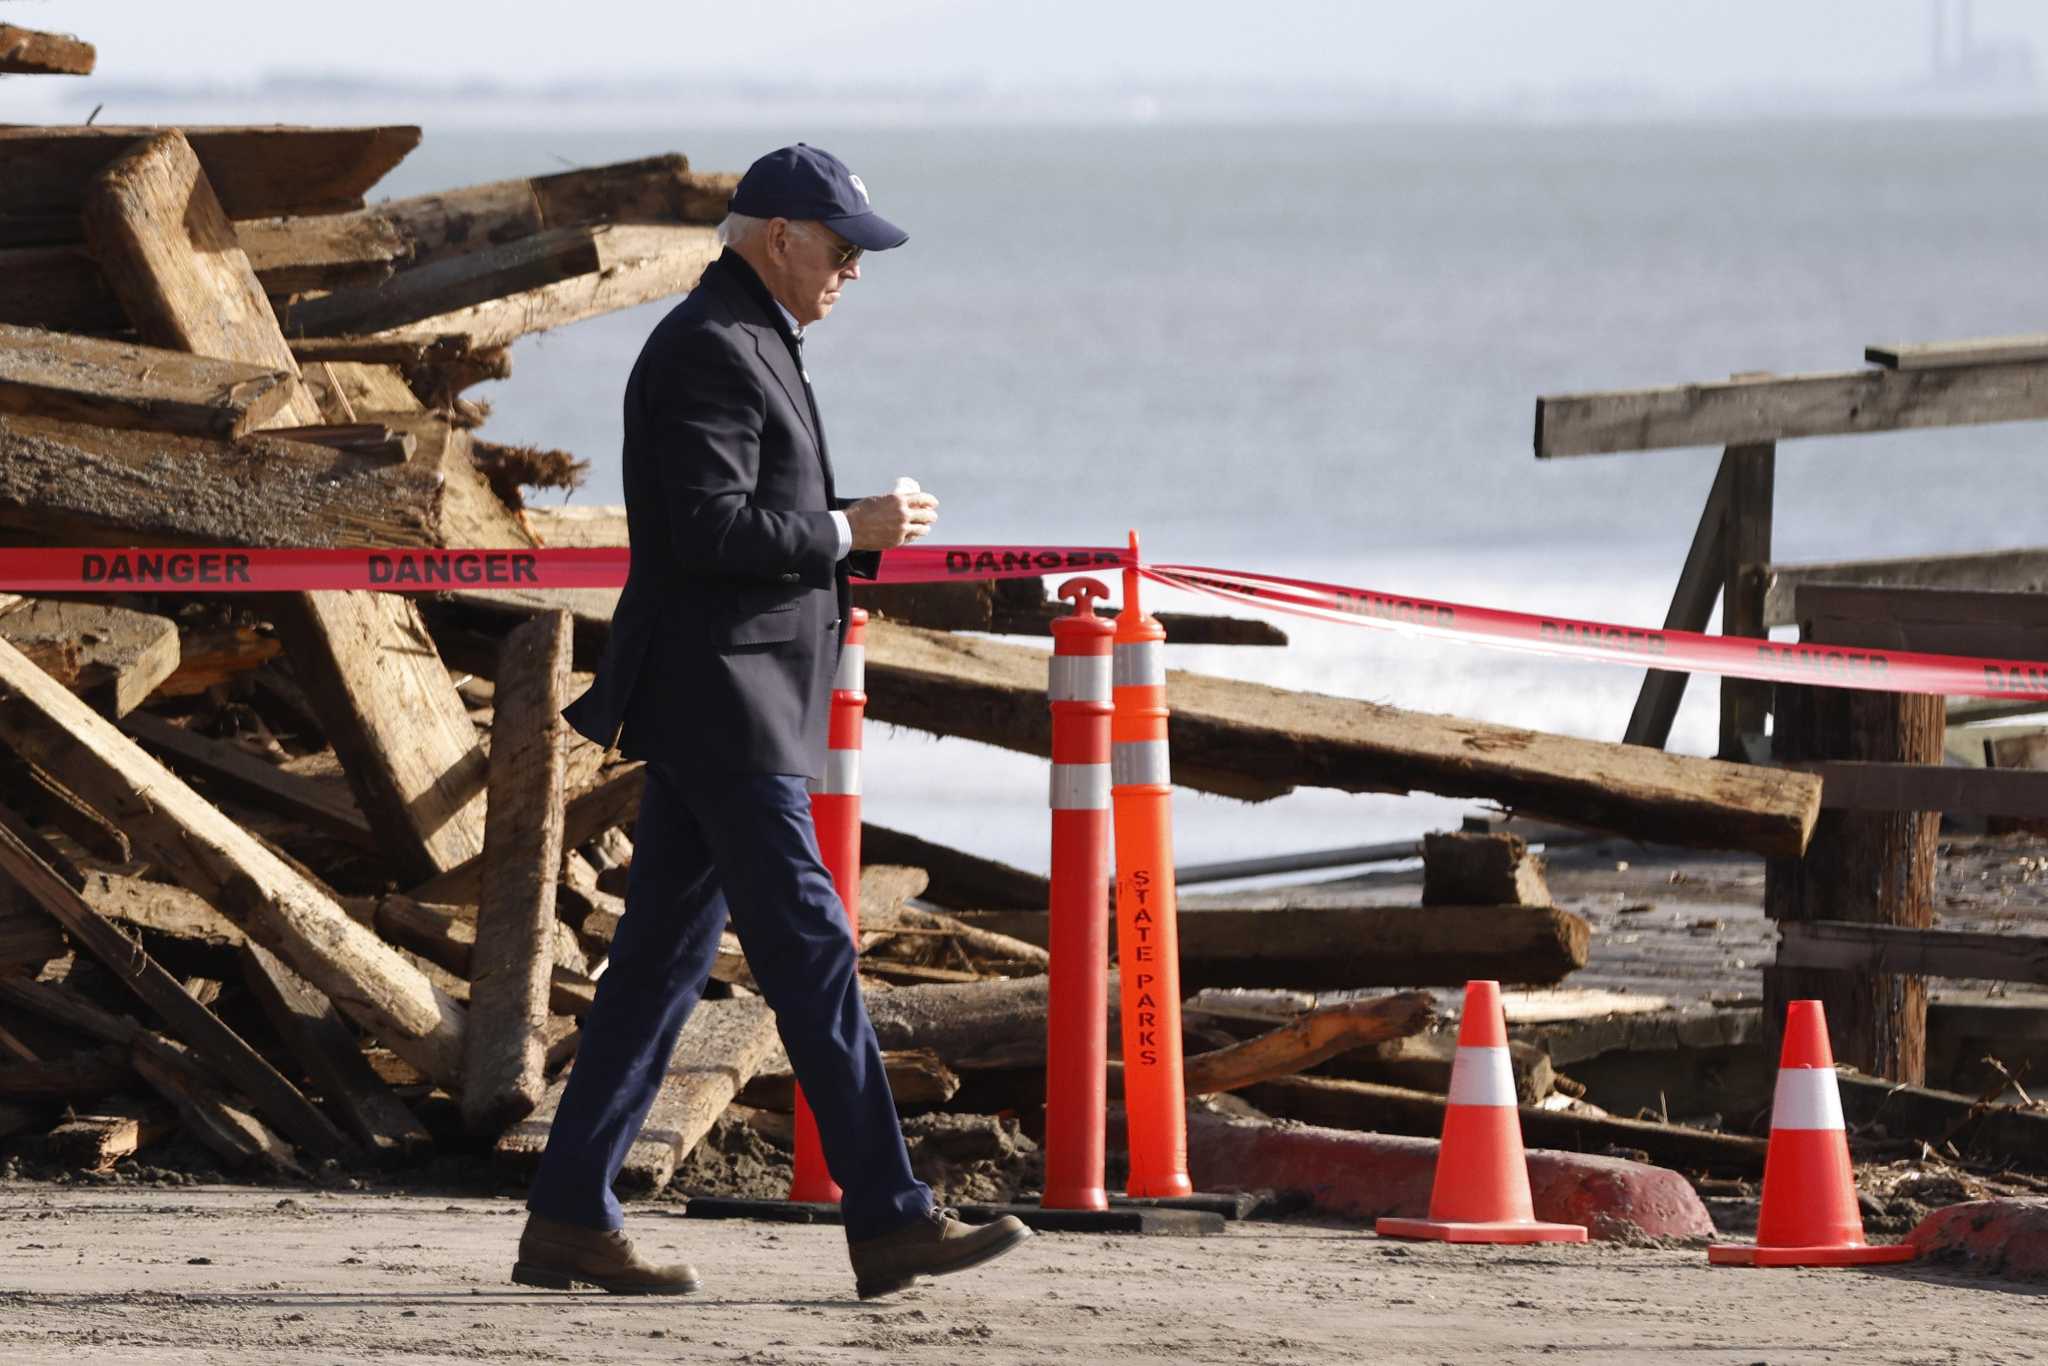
(905, 484)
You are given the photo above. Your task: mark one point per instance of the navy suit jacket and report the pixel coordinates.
(725, 640)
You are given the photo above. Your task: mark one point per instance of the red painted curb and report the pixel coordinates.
(1997, 1237)
(1367, 1176)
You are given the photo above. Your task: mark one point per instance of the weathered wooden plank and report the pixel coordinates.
(80, 1077)
(1746, 550)
(70, 484)
(169, 253)
(638, 264)
(201, 848)
(444, 286)
(95, 1139)
(27, 52)
(257, 172)
(1315, 947)
(1481, 868)
(114, 384)
(1845, 946)
(993, 692)
(332, 1056)
(238, 1063)
(1747, 411)
(1942, 1117)
(918, 1078)
(2003, 571)
(1998, 625)
(57, 287)
(1874, 785)
(957, 879)
(513, 959)
(720, 1049)
(1311, 1038)
(321, 251)
(113, 657)
(1692, 605)
(659, 189)
(1975, 351)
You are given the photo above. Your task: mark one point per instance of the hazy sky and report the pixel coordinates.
(1445, 48)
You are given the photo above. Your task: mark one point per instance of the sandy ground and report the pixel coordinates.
(240, 1275)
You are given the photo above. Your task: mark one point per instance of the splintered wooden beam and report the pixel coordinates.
(1750, 411)
(720, 1049)
(321, 251)
(114, 384)
(257, 172)
(317, 803)
(192, 841)
(170, 255)
(986, 690)
(25, 52)
(66, 483)
(637, 264)
(242, 1066)
(611, 801)
(1314, 1037)
(661, 189)
(513, 960)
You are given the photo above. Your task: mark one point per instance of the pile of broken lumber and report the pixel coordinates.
(322, 876)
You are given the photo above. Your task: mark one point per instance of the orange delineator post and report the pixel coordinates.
(1481, 1191)
(1810, 1216)
(1077, 1024)
(1155, 1097)
(835, 811)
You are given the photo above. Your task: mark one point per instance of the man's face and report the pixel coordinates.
(817, 264)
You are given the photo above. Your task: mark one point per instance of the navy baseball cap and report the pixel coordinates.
(806, 182)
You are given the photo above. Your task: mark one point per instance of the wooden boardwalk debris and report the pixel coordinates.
(1311, 1038)
(957, 880)
(613, 800)
(192, 841)
(447, 285)
(1356, 946)
(1460, 868)
(256, 172)
(188, 1020)
(27, 52)
(720, 1049)
(113, 657)
(513, 960)
(115, 384)
(170, 255)
(1225, 733)
(1975, 351)
(332, 1056)
(321, 251)
(98, 1137)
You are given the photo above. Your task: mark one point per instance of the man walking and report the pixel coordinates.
(718, 673)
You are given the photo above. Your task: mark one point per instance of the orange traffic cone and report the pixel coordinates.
(1809, 1213)
(1481, 1193)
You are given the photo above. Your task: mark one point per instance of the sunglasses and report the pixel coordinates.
(846, 256)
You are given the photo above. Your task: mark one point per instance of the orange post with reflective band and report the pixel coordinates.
(1148, 944)
(835, 811)
(1077, 1026)
(1481, 1192)
(1810, 1216)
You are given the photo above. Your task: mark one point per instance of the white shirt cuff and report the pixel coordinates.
(845, 535)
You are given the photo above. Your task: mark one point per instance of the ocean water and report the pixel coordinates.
(1317, 351)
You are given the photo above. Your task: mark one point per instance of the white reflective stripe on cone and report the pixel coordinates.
(842, 775)
(1080, 787)
(1136, 762)
(1079, 678)
(1807, 1098)
(853, 670)
(1140, 664)
(1482, 1076)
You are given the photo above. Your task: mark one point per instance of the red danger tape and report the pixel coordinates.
(228, 570)
(231, 570)
(1836, 666)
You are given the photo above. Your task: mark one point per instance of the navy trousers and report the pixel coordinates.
(706, 846)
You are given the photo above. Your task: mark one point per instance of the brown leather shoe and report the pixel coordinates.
(933, 1246)
(557, 1256)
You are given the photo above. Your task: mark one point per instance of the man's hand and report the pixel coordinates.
(888, 520)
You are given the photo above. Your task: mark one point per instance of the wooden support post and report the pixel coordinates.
(1868, 867)
(513, 959)
(1699, 584)
(1745, 557)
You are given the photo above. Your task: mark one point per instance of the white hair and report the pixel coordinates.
(736, 228)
